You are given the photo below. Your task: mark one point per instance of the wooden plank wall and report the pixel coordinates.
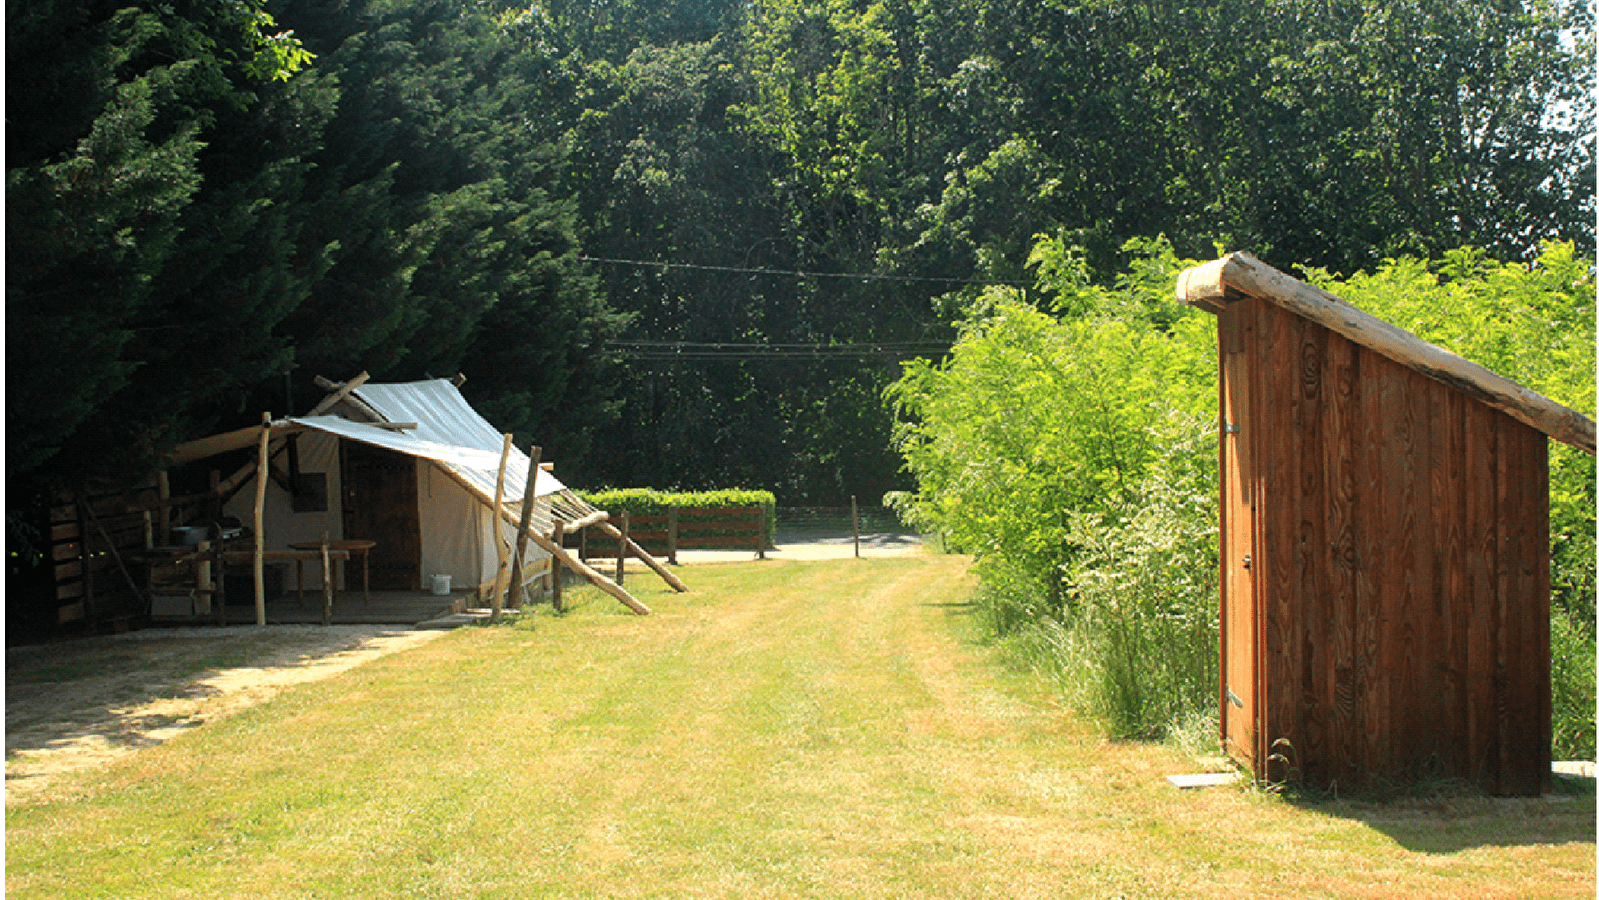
(95, 534)
(1401, 568)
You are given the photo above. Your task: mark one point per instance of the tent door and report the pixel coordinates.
(380, 504)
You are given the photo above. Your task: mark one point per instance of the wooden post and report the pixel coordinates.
(327, 583)
(202, 574)
(513, 592)
(555, 574)
(502, 561)
(671, 535)
(219, 579)
(593, 577)
(640, 553)
(149, 531)
(163, 499)
(262, 461)
(621, 550)
(855, 524)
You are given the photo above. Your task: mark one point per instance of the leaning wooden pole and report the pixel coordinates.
(262, 461)
(649, 560)
(513, 591)
(593, 577)
(501, 561)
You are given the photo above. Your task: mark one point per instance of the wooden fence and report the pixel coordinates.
(685, 528)
(94, 540)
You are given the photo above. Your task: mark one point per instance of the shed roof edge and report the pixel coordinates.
(1235, 275)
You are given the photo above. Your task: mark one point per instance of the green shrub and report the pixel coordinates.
(1145, 592)
(1572, 685)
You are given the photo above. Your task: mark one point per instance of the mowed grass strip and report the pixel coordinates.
(789, 729)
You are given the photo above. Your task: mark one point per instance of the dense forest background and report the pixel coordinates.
(687, 243)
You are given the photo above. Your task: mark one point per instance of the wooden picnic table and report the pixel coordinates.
(350, 546)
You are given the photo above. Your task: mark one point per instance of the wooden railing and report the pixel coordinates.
(686, 528)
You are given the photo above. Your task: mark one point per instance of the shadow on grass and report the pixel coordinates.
(101, 689)
(1449, 818)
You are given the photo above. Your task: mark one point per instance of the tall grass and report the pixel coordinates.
(1572, 682)
(1136, 643)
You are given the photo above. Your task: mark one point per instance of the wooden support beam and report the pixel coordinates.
(642, 554)
(263, 461)
(593, 518)
(238, 439)
(593, 577)
(339, 392)
(514, 590)
(500, 549)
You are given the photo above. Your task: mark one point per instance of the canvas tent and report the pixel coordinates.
(414, 469)
(424, 493)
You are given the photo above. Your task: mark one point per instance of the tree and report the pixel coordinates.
(120, 121)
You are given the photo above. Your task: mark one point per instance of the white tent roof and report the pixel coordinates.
(449, 431)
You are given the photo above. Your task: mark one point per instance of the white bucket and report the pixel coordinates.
(441, 585)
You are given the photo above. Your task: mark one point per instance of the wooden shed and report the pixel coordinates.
(1384, 545)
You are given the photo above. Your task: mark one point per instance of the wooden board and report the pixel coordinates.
(1394, 619)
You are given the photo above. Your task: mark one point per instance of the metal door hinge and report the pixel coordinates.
(1230, 428)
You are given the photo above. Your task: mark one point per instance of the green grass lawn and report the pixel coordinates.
(789, 729)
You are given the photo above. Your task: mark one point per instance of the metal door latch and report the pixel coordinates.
(1234, 698)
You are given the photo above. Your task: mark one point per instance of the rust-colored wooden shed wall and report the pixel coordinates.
(1385, 583)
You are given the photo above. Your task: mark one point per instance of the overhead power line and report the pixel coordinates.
(798, 273)
(675, 351)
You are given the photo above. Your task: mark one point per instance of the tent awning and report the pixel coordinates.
(480, 467)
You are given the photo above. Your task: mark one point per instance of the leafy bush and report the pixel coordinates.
(1076, 461)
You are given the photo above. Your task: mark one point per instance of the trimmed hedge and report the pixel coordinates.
(651, 502)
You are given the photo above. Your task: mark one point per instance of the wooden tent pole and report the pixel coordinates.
(494, 531)
(236, 480)
(339, 393)
(262, 460)
(513, 591)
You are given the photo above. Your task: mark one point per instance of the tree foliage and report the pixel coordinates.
(204, 196)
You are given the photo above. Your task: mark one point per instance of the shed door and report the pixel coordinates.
(380, 504)
(1240, 635)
